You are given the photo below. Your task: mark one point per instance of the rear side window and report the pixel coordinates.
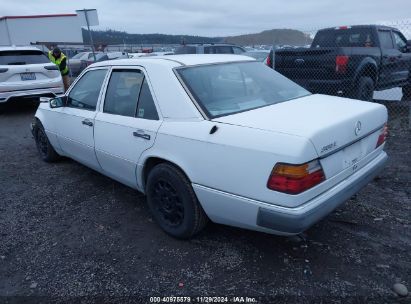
(84, 95)
(22, 57)
(344, 38)
(221, 49)
(146, 107)
(122, 92)
(385, 39)
(185, 50)
(238, 50)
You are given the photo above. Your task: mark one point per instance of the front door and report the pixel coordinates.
(75, 121)
(404, 57)
(389, 59)
(127, 124)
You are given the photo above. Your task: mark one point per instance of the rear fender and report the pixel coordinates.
(367, 67)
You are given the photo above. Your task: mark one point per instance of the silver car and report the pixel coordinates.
(77, 63)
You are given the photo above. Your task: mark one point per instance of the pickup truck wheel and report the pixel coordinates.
(406, 91)
(173, 203)
(365, 89)
(45, 149)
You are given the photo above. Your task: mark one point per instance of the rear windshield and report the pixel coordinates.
(228, 88)
(22, 57)
(185, 50)
(344, 38)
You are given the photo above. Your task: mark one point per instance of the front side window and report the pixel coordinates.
(400, 42)
(86, 91)
(228, 88)
(122, 92)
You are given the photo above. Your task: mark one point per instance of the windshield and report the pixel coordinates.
(22, 57)
(228, 88)
(78, 56)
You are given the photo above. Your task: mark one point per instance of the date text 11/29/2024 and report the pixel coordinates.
(173, 299)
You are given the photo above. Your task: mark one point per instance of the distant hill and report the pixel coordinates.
(276, 36)
(117, 37)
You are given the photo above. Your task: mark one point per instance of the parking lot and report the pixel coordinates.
(69, 231)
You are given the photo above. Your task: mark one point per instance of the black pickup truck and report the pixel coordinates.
(352, 61)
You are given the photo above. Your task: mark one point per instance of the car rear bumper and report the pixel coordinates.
(52, 91)
(229, 209)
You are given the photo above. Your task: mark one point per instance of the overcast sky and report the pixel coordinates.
(219, 17)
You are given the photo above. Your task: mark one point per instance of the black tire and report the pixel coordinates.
(45, 149)
(173, 203)
(406, 91)
(364, 89)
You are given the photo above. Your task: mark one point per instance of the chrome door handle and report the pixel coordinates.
(87, 123)
(142, 135)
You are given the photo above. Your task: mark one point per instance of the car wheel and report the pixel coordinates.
(406, 91)
(173, 203)
(45, 149)
(365, 89)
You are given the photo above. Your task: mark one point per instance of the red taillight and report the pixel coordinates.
(269, 62)
(383, 136)
(294, 179)
(341, 63)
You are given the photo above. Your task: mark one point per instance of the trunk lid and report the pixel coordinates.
(29, 76)
(312, 63)
(330, 123)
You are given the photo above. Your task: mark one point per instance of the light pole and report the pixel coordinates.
(86, 11)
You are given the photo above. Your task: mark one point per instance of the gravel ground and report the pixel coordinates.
(69, 234)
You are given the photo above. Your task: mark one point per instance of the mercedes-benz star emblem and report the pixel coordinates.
(357, 129)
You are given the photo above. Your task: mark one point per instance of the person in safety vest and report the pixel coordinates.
(59, 59)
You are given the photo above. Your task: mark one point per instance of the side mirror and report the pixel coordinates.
(45, 99)
(58, 102)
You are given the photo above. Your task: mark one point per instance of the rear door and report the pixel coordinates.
(75, 122)
(126, 125)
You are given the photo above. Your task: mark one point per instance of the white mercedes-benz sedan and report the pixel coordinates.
(219, 137)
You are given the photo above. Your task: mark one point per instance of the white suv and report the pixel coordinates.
(27, 72)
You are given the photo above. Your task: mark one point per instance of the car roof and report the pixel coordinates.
(19, 48)
(177, 60)
(376, 26)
